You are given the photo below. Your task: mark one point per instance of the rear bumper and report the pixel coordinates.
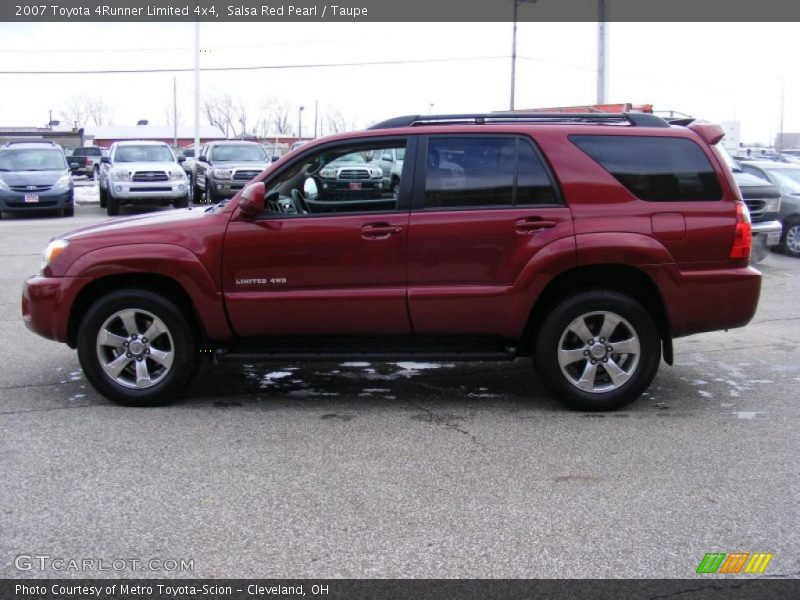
(46, 304)
(767, 232)
(708, 299)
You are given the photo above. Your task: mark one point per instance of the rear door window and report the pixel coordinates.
(657, 169)
(485, 171)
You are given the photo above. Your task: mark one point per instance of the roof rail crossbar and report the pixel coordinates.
(632, 118)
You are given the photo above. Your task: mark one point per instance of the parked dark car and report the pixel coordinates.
(86, 161)
(587, 242)
(34, 176)
(785, 177)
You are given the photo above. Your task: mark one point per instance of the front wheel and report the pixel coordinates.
(136, 348)
(790, 240)
(181, 202)
(598, 350)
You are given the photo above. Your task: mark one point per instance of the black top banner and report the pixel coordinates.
(710, 11)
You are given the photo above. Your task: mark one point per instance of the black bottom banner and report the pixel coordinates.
(390, 589)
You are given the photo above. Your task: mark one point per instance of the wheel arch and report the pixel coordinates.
(154, 282)
(626, 279)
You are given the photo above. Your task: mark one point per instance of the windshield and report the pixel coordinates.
(143, 154)
(788, 180)
(401, 153)
(353, 157)
(236, 152)
(32, 160)
(93, 151)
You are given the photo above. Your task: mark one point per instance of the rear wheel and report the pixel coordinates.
(598, 350)
(790, 240)
(136, 348)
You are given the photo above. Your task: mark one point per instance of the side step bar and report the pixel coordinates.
(320, 355)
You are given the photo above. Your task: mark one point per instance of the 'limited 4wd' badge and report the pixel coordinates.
(261, 281)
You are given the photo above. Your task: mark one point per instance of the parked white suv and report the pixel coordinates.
(142, 172)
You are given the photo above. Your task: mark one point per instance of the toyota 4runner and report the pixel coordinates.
(587, 242)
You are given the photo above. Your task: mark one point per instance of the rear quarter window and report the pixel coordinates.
(656, 169)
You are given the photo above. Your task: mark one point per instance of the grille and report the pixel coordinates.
(245, 175)
(151, 189)
(354, 174)
(31, 189)
(142, 176)
(756, 208)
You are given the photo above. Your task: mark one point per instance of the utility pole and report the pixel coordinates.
(197, 88)
(316, 112)
(602, 52)
(300, 123)
(514, 49)
(779, 145)
(175, 111)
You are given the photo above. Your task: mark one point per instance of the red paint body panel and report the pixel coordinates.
(453, 272)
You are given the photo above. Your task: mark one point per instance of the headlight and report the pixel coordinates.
(772, 205)
(53, 249)
(222, 173)
(4, 185)
(63, 182)
(177, 174)
(120, 175)
(376, 172)
(328, 173)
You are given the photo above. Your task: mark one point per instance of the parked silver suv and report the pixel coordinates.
(223, 168)
(142, 172)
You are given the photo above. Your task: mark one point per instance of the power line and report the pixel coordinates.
(255, 67)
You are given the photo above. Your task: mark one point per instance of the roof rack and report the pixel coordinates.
(31, 140)
(635, 119)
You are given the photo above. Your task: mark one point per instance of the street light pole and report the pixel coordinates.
(514, 49)
(300, 123)
(197, 88)
(602, 52)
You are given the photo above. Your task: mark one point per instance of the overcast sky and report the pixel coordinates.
(717, 71)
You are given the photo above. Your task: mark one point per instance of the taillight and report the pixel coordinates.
(743, 240)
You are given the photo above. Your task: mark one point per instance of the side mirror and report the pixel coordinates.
(105, 159)
(181, 159)
(310, 189)
(251, 203)
(203, 158)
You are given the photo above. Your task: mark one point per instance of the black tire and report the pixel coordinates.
(179, 338)
(197, 195)
(211, 197)
(103, 197)
(181, 202)
(69, 212)
(92, 175)
(793, 224)
(112, 206)
(592, 304)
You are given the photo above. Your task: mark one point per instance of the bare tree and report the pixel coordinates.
(281, 121)
(240, 114)
(86, 110)
(219, 112)
(336, 122)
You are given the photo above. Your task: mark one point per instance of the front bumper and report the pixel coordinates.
(46, 304)
(350, 188)
(767, 233)
(226, 188)
(11, 201)
(157, 190)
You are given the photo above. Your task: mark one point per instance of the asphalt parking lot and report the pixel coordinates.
(406, 469)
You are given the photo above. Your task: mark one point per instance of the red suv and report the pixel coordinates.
(587, 242)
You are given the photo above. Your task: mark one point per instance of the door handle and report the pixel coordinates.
(533, 224)
(379, 231)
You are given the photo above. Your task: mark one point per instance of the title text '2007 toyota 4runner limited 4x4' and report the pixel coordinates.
(586, 241)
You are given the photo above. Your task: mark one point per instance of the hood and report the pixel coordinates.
(22, 178)
(163, 221)
(753, 187)
(239, 164)
(145, 166)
